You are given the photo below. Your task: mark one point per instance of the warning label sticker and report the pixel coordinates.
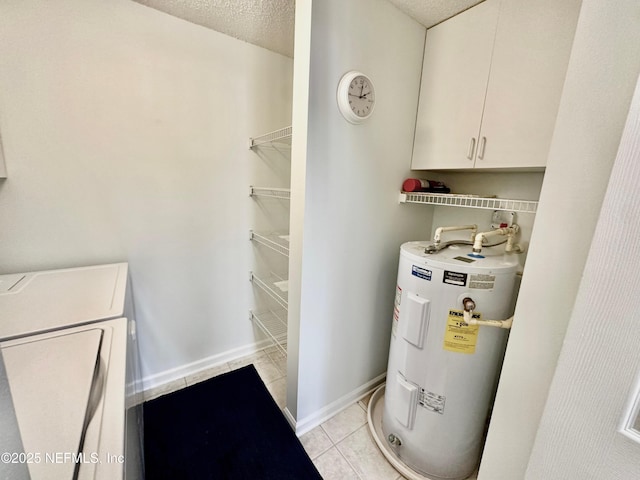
(421, 272)
(459, 337)
(432, 401)
(482, 281)
(455, 278)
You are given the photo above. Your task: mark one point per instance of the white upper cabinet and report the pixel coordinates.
(491, 85)
(455, 72)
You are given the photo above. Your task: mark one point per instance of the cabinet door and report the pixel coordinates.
(455, 70)
(528, 68)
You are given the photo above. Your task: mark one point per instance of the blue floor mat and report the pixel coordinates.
(228, 427)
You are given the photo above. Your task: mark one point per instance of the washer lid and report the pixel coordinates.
(52, 382)
(457, 257)
(10, 440)
(43, 301)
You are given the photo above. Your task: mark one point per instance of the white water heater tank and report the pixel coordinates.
(442, 373)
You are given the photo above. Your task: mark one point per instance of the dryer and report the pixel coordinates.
(69, 375)
(37, 302)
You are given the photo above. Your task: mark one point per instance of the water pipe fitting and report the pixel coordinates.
(440, 230)
(509, 232)
(469, 305)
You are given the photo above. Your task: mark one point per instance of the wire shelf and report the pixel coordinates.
(282, 193)
(469, 201)
(278, 136)
(274, 324)
(276, 242)
(274, 286)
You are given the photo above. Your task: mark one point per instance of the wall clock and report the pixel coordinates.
(356, 97)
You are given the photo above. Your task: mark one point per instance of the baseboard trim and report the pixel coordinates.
(289, 417)
(159, 379)
(312, 421)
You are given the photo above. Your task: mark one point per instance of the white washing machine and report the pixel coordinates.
(37, 302)
(68, 370)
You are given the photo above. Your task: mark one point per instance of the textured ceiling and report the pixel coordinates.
(269, 23)
(266, 23)
(431, 12)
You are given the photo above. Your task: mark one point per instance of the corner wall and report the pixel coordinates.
(601, 76)
(125, 134)
(590, 397)
(349, 224)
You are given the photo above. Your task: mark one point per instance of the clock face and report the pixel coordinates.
(361, 96)
(356, 97)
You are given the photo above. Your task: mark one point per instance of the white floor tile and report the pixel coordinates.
(272, 348)
(316, 442)
(364, 402)
(206, 374)
(267, 370)
(164, 389)
(278, 390)
(244, 361)
(280, 360)
(345, 422)
(333, 466)
(363, 455)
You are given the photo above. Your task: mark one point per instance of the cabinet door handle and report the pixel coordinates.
(483, 143)
(472, 147)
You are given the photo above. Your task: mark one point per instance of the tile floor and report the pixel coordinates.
(341, 448)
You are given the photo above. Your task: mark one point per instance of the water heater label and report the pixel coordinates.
(464, 259)
(432, 401)
(421, 272)
(482, 281)
(455, 278)
(459, 337)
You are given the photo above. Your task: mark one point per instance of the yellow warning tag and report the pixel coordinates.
(460, 338)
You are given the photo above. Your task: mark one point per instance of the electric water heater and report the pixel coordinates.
(443, 370)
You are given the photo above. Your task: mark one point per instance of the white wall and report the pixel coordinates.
(125, 133)
(348, 221)
(598, 366)
(300, 118)
(603, 68)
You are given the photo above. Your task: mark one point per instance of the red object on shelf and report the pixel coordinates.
(414, 184)
(419, 185)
